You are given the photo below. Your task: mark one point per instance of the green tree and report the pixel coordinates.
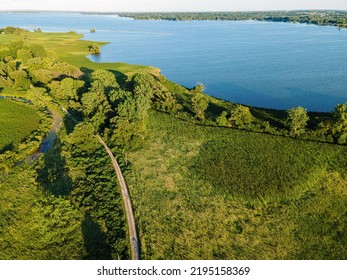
(200, 87)
(38, 50)
(21, 79)
(199, 105)
(103, 81)
(297, 120)
(14, 47)
(94, 48)
(63, 70)
(67, 89)
(129, 126)
(41, 76)
(24, 55)
(222, 119)
(240, 116)
(166, 101)
(340, 124)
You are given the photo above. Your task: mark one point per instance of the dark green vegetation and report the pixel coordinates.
(210, 193)
(209, 179)
(17, 121)
(334, 18)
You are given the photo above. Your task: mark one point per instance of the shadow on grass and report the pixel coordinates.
(94, 240)
(53, 176)
(8, 147)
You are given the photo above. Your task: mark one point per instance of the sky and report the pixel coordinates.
(169, 5)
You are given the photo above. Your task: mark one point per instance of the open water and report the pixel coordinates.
(271, 65)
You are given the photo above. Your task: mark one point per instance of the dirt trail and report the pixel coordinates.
(134, 244)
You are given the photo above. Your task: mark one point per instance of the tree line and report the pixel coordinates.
(334, 18)
(119, 111)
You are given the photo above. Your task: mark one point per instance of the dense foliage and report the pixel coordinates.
(203, 182)
(335, 18)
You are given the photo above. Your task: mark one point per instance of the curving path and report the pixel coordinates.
(134, 244)
(48, 143)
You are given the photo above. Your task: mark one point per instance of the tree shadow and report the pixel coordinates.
(120, 78)
(71, 121)
(95, 240)
(8, 147)
(53, 176)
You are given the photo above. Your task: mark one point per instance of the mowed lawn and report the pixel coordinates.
(17, 121)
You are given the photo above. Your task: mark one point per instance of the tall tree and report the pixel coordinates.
(199, 105)
(340, 125)
(240, 116)
(297, 120)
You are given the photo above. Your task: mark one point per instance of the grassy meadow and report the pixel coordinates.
(199, 191)
(71, 48)
(17, 121)
(217, 193)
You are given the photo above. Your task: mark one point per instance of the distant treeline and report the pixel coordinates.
(334, 18)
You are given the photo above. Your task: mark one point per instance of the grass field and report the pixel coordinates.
(199, 192)
(213, 193)
(71, 48)
(17, 121)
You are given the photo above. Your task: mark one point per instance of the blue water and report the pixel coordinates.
(272, 65)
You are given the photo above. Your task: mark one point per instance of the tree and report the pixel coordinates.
(67, 89)
(240, 116)
(14, 47)
(297, 120)
(199, 105)
(94, 48)
(200, 87)
(41, 76)
(103, 80)
(166, 101)
(340, 124)
(21, 80)
(24, 55)
(130, 124)
(63, 69)
(38, 50)
(222, 119)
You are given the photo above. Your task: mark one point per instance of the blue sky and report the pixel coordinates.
(170, 5)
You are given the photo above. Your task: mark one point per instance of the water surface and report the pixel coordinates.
(272, 65)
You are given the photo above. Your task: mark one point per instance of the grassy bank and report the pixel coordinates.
(71, 48)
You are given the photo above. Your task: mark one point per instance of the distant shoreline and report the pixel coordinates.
(336, 18)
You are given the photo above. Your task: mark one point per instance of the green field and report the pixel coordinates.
(199, 191)
(17, 121)
(71, 48)
(213, 193)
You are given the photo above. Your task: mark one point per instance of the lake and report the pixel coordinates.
(271, 65)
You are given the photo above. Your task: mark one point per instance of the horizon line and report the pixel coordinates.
(152, 12)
